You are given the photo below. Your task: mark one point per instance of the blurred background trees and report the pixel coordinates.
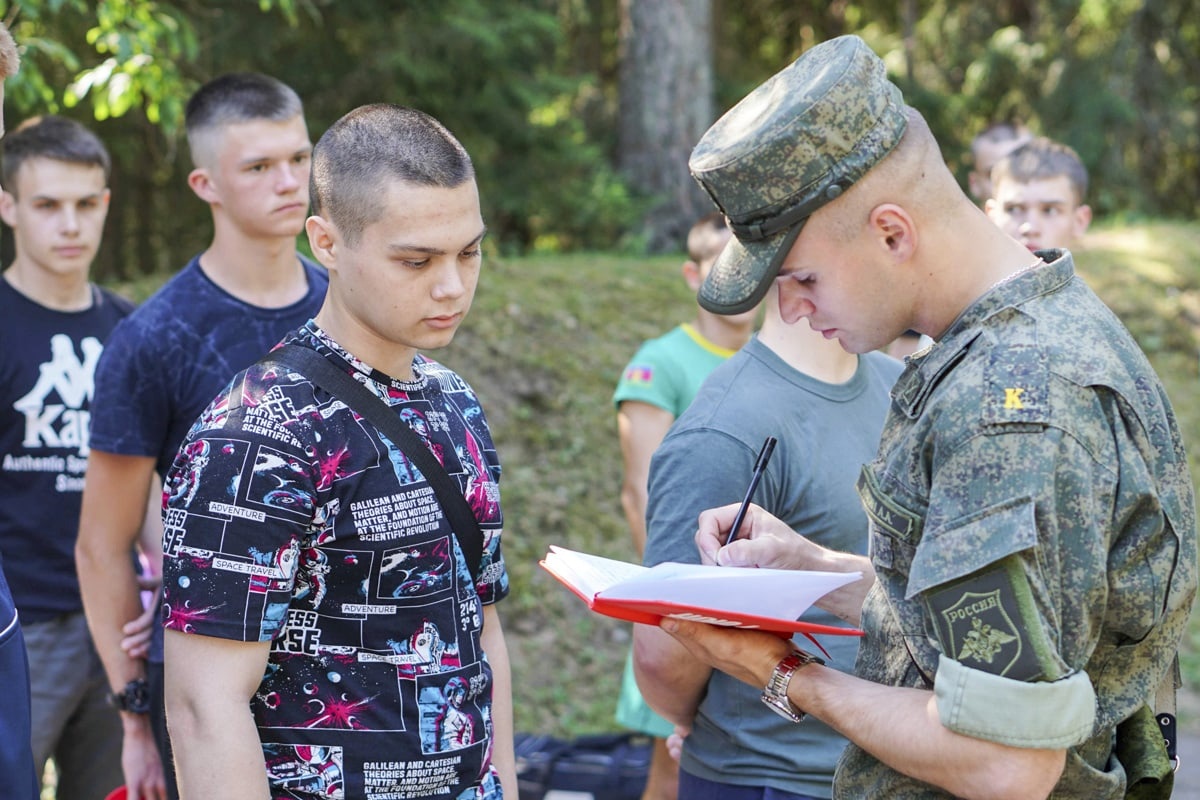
(580, 113)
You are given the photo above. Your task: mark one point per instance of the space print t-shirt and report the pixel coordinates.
(292, 520)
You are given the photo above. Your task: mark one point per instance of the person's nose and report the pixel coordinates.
(794, 305)
(70, 221)
(450, 284)
(288, 180)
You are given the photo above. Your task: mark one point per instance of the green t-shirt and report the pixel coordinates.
(667, 371)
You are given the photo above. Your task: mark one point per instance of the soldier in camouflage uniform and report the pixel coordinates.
(1033, 543)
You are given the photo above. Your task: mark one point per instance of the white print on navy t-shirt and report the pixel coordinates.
(65, 423)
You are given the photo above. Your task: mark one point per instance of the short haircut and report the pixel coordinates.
(10, 62)
(52, 137)
(372, 145)
(998, 132)
(1040, 159)
(702, 239)
(233, 98)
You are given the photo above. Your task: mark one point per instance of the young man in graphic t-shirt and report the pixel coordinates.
(325, 637)
(53, 325)
(225, 309)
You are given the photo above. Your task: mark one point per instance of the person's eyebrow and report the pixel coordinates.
(299, 151)
(434, 251)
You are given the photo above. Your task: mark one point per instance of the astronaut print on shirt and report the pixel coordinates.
(290, 519)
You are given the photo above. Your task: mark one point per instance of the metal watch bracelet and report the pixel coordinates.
(775, 693)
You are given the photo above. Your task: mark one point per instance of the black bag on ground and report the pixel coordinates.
(595, 767)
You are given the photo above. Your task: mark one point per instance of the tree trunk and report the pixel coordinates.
(666, 105)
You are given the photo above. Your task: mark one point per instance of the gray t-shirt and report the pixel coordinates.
(826, 433)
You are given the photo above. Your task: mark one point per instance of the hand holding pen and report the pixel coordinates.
(760, 466)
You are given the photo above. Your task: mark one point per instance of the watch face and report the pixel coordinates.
(134, 698)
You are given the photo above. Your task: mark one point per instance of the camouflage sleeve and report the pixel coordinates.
(1012, 567)
(1047, 556)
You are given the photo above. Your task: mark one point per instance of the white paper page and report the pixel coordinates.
(779, 593)
(590, 574)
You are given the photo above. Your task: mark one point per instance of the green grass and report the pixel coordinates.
(544, 346)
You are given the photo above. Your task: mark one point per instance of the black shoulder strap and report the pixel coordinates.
(357, 397)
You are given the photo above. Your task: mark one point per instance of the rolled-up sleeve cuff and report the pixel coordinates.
(1048, 715)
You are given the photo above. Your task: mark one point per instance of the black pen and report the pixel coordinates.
(760, 466)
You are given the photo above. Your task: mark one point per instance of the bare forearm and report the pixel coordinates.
(209, 683)
(216, 737)
(901, 728)
(111, 518)
(640, 428)
(108, 584)
(846, 602)
(633, 501)
(670, 680)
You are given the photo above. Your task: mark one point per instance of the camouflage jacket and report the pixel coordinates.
(1032, 529)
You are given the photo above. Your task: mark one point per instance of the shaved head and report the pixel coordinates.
(913, 176)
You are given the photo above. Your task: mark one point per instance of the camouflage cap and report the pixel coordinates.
(789, 147)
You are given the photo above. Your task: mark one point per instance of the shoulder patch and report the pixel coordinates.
(988, 621)
(1016, 386)
(639, 373)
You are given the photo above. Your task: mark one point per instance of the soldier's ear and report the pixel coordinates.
(893, 228)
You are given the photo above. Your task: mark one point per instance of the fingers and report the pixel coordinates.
(148, 582)
(137, 646)
(141, 622)
(712, 528)
(675, 741)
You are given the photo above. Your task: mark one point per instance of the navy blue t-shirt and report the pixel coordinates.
(170, 358)
(47, 364)
(166, 362)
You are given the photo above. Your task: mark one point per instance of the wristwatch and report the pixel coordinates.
(134, 698)
(775, 694)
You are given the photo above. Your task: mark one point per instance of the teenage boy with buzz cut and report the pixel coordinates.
(53, 325)
(16, 751)
(1037, 195)
(163, 364)
(325, 636)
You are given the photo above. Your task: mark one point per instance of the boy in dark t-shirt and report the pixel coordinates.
(226, 308)
(53, 326)
(311, 577)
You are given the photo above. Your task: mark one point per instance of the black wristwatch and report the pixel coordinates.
(134, 698)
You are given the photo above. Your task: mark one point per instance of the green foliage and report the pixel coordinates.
(531, 88)
(1112, 79)
(488, 72)
(143, 47)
